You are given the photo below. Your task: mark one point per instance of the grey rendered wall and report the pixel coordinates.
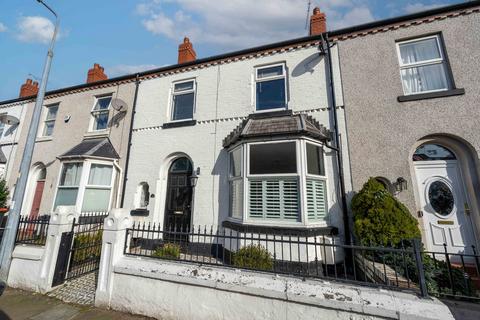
(382, 132)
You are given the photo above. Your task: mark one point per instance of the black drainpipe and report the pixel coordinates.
(129, 145)
(333, 105)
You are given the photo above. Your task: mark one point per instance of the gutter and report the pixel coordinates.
(325, 47)
(129, 145)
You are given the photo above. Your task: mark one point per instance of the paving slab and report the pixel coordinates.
(23, 305)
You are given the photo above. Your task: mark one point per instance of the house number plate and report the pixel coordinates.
(177, 212)
(449, 222)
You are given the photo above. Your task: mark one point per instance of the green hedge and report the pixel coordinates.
(379, 218)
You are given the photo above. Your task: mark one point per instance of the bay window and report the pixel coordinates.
(423, 66)
(87, 185)
(284, 182)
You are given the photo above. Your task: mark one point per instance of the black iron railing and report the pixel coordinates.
(403, 267)
(33, 230)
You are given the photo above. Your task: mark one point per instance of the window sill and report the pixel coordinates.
(431, 95)
(285, 230)
(271, 113)
(97, 134)
(177, 124)
(42, 139)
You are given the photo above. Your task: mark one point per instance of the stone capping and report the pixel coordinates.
(177, 124)
(432, 95)
(366, 301)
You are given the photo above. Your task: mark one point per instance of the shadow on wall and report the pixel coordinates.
(220, 169)
(307, 65)
(115, 121)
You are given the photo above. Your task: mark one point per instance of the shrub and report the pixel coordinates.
(87, 246)
(253, 257)
(4, 192)
(380, 218)
(168, 251)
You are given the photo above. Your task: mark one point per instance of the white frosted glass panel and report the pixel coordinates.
(96, 199)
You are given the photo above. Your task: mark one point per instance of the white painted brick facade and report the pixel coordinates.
(224, 97)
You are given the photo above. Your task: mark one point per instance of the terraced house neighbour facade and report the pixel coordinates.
(411, 101)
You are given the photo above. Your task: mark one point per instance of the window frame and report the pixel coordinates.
(45, 120)
(83, 184)
(256, 80)
(232, 179)
(94, 112)
(442, 61)
(173, 94)
(309, 175)
(297, 164)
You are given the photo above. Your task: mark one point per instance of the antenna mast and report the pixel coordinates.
(308, 13)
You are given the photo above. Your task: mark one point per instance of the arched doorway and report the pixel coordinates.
(39, 185)
(442, 196)
(178, 208)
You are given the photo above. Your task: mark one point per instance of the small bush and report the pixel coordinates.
(168, 251)
(4, 192)
(381, 219)
(253, 257)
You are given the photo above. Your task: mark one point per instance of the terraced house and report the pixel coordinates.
(411, 100)
(80, 146)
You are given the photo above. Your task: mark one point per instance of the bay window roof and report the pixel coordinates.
(279, 124)
(98, 148)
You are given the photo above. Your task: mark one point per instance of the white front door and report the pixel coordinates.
(443, 204)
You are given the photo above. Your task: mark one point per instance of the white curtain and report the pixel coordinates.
(419, 51)
(100, 175)
(71, 174)
(426, 78)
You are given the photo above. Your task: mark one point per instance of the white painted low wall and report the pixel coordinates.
(173, 290)
(25, 268)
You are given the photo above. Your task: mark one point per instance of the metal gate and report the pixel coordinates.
(80, 249)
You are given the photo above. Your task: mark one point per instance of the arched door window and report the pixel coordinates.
(432, 152)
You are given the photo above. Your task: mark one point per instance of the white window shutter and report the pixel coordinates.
(316, 199)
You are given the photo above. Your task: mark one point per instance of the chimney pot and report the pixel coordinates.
(96, 74)
(28, 89)
(318, 22)
(186, 53)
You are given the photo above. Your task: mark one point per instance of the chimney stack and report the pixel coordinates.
(186, 52)
(96, 74)
(29, 88)
(318, 22)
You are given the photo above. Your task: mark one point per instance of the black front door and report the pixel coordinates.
(179, 196)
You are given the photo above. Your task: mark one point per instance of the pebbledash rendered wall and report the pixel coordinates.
(224, 98)
(71, 127)
(384, 133)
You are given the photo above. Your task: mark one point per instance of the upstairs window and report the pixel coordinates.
(49, 122)
(423, 66)
(2, 128)
(270, 87)
(183, 100)
(100, 113)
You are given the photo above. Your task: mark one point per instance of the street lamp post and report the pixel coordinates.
(8, 240)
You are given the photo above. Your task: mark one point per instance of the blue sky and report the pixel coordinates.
(126, 36)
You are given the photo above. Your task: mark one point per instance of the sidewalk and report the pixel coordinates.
(20, 305)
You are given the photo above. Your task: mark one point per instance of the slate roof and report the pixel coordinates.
(277, 124)
(99, 147)
(3, 159)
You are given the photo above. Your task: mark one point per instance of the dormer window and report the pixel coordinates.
(270, 87)
(100, 113)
